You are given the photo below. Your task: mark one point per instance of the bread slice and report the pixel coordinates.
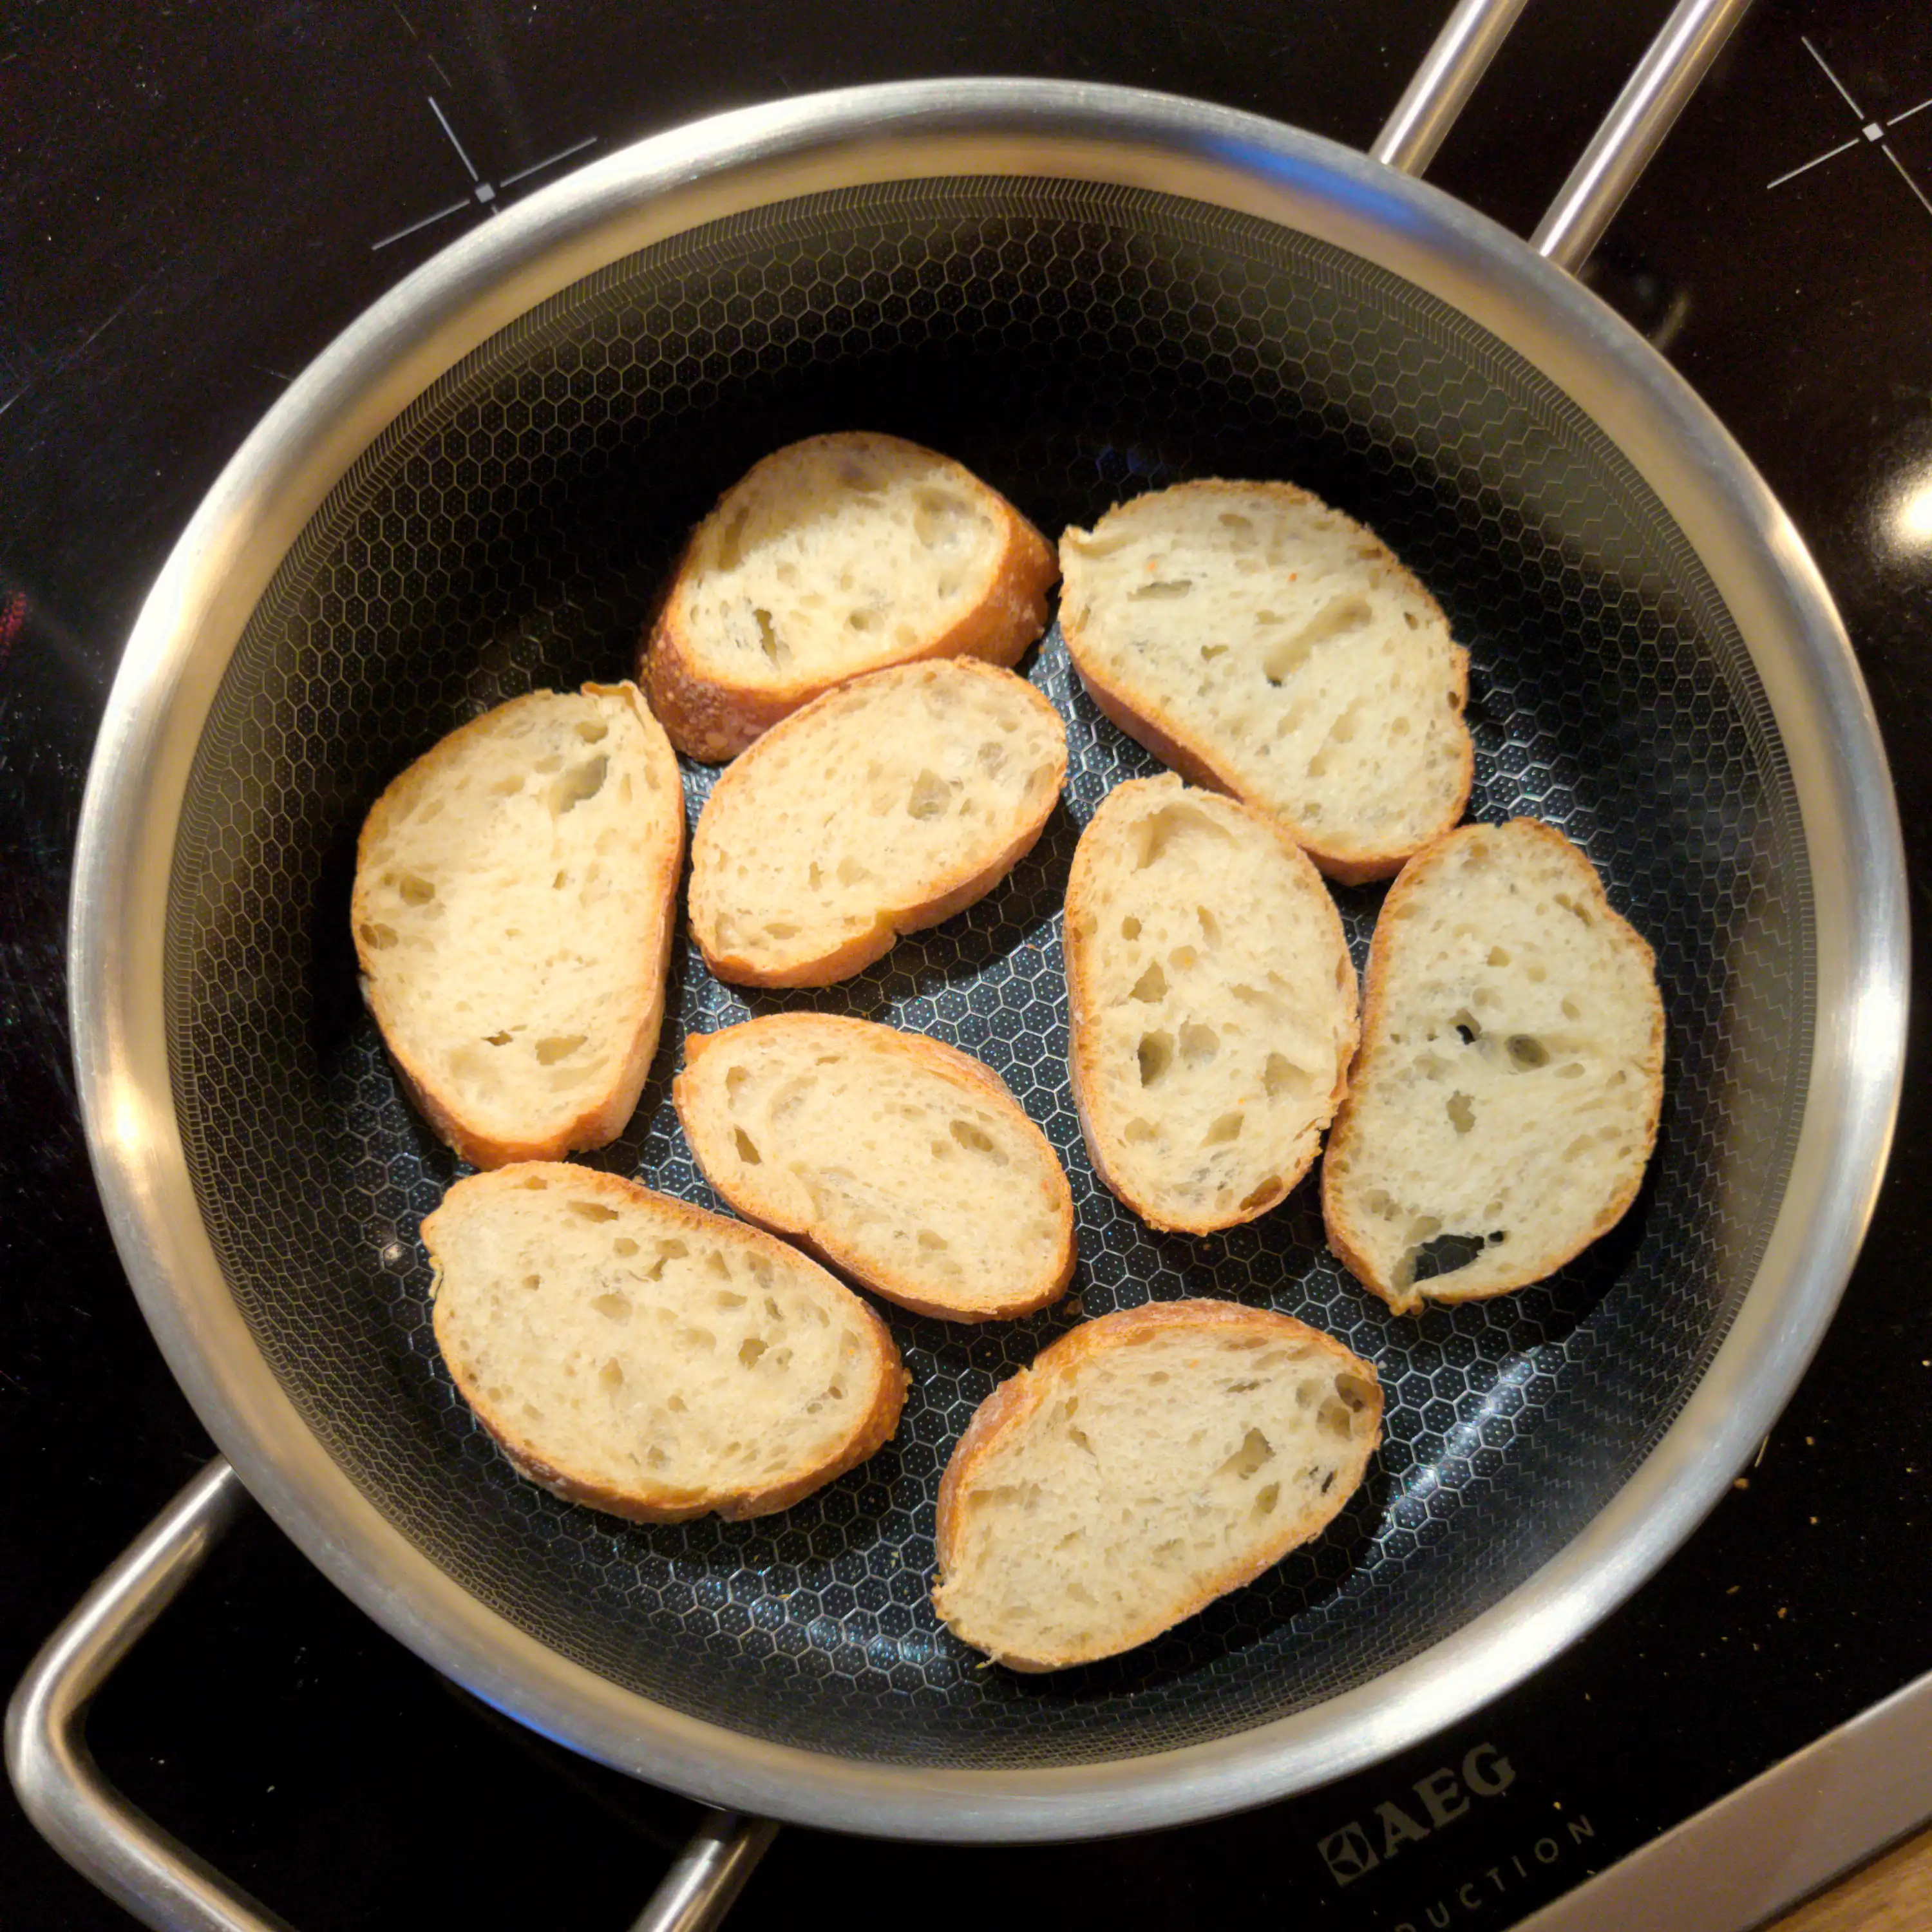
(890, 804)
(1263, 644)
(834, 556)
(896, 1158)
(1147, 1463)
(1210, 1004)
(516, 890)
(637, 1354)
(1505, 1100)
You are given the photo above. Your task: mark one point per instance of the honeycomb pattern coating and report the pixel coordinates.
(1074, 344)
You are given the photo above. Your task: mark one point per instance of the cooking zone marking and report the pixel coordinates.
(1869, 131)
(482, 194)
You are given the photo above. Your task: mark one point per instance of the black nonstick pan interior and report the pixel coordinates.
(1074, 344)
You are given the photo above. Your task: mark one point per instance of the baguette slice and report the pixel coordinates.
(516, 892)
(1263, 644)
(1147, 1463)
(834, 556)
(1210, 1004)
(1505, 1100)
(896, 1158)
(637, 1354)
(886, 805)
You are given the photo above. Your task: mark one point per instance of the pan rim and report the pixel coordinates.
(190, 621)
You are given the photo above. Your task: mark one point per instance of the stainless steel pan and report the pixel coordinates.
(1080, 291)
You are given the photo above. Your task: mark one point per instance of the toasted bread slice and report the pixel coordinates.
(1263, 644)
(886, 805)
(1505, 1101)
(1210, 1004)
(516, 890)
(834, 556)
(896, 1158)
(637, 1354)
(1147, 1463)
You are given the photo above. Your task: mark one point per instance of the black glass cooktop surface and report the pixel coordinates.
(194, 201)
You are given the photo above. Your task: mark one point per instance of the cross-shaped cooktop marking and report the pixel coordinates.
(1869, 129)
(481, 193)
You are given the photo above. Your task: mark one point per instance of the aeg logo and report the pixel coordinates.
(1441, 1797)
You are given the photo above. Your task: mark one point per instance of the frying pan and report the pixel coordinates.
(1081, 292)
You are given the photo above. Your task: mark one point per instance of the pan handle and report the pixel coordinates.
(1444, 83)
(710, 1872)
(139, 1865)
(144, 1869)
(1633, 130)
(1621, 148)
